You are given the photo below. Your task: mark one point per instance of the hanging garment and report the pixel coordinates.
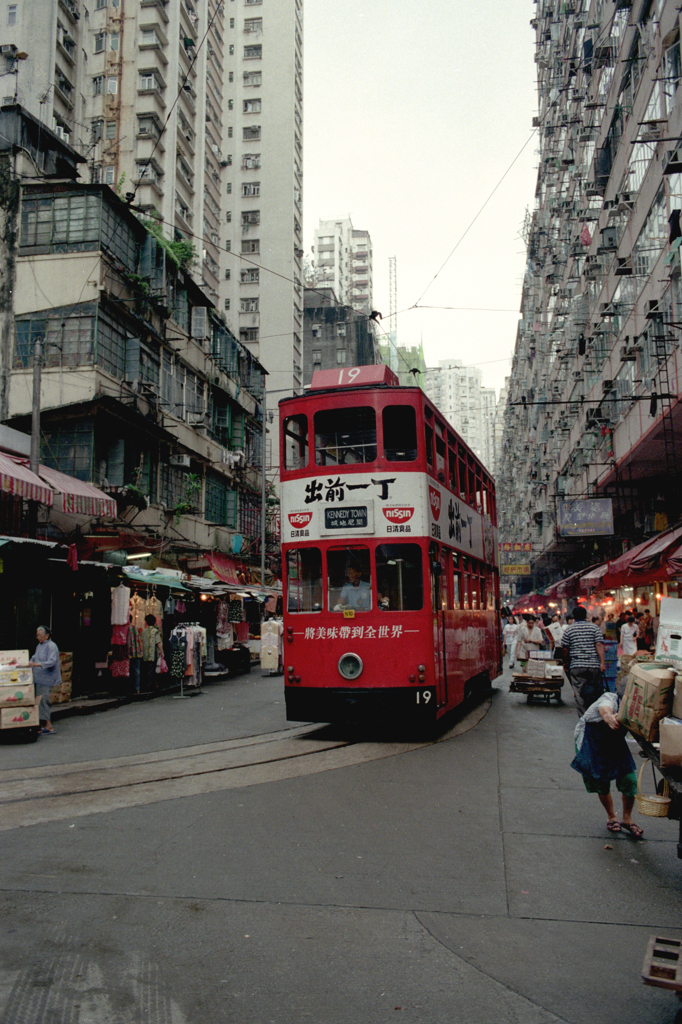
(235, 611)
(120, 668)
(180, 607)
(225, 640)
(270, 645)
(155, 608)
(169, 607)
(119, 634)
(242, 632)
(119, 605)
(72, 557)
(178, 656)
(137, 611)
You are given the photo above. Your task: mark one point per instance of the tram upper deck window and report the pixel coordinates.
(296, 442)
(399, 577)
(400, 433)
(304, 580)
(349, 579)
(345, 437)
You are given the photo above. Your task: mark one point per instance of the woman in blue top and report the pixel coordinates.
(46, 674)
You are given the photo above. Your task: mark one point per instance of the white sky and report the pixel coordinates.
(413, 112)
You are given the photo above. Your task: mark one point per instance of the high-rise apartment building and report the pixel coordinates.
(457, 391)
(263, 294)
(593, 404)
(192, 110)
(343, 261)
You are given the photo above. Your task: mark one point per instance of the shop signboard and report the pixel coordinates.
(515, 545)
(586, 517)
(516, 570)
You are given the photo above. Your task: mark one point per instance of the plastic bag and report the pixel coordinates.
(161, 665)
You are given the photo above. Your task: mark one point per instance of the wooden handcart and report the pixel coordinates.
(536, 689)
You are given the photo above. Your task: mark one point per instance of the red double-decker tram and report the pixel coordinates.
(391, 580)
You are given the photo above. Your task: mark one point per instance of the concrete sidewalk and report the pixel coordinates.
(467, 882)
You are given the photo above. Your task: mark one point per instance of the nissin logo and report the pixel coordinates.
(398, 515)
(434, 500)
(300, 519)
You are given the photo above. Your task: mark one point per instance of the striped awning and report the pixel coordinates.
(16, 478)
(78, 497)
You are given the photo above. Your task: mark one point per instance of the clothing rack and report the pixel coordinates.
(195, 690)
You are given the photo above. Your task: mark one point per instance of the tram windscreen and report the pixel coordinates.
(349, 579)
(345, 437)
(304, 580)
(399, 577)
(400, 433)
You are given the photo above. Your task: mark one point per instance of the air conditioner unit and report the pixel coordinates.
(577, 375)
(8, 50)
(180, 460)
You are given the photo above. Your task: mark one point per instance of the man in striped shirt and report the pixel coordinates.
(583, 644)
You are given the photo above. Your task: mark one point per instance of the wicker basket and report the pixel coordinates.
(652, 806)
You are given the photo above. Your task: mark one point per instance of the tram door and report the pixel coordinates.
(438, 605)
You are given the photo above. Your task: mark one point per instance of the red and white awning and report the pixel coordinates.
(78, 497)
(16, 478)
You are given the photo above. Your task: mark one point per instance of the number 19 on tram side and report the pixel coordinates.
(389, 550)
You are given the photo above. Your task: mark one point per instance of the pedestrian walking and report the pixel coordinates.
(509, 635)
(555, 631)
(529, 639)
(602, 754)
(46, 674)
(584, 660)
(152, 649)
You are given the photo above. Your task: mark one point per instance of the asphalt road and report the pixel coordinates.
(203, 861)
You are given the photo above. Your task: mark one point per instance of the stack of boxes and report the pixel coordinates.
(61, 693)
(18, 706)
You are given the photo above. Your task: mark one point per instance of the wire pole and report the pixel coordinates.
(35, 405)
(263, 491)
(34, 462)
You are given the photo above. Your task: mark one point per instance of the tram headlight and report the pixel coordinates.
(350, 666)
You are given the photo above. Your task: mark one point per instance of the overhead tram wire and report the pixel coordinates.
(478, 214)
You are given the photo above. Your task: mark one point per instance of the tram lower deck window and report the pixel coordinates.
(304, 580)
(345, 437)
(399, 577)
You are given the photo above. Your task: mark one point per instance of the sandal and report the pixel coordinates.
(633, 829)
(613, 826)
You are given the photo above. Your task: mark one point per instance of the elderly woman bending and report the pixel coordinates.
(46, 674)
(602, 754)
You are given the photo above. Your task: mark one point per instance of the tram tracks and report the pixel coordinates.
(32, 796)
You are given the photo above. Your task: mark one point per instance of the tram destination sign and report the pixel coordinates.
(346, 517)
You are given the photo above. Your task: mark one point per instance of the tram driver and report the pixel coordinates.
(356, 593)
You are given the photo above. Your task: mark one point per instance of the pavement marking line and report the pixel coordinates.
(319, 756)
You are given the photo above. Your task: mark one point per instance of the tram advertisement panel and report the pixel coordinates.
(378, 505)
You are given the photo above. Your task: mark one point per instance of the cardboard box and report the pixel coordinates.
(554, 671)
(677, 699)
(19, 718)
(648, 697)
(671, 741)
(535, 669)
(14, 658)
(16, 675)
(540, 655)
(15, 693)
(669, 636)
